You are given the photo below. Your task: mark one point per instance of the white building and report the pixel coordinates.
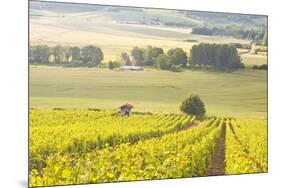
(130, 68)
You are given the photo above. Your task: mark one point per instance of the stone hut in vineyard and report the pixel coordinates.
(125, 109)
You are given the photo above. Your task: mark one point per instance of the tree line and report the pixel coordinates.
(155, 57)
(259, 36)
(222, 57)
(81, 56)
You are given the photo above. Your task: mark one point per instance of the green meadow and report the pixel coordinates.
(241, 93)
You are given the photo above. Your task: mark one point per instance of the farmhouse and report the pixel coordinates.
(130, 68)
(126, 109)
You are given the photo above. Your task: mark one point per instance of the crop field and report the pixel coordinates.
(95, 133)
(86, 146)
(242, 93)
(246, 146)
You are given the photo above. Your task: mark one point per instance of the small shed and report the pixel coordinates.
(125, 109)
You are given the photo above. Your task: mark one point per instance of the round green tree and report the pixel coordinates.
(193, 105)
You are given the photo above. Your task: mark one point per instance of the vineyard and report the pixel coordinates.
(246, 146)
(87, 146)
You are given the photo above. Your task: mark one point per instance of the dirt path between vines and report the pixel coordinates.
(217, 165)
(193, 125)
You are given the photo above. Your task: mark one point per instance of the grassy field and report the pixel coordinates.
(242, 93)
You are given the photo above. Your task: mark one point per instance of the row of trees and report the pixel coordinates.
(141, 56)
(93, 56)
(154, 56)
(87, 55)
(222, 57)
(259, 36)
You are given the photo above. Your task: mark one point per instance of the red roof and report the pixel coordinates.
(127, 105)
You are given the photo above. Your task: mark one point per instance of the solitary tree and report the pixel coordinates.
(193, 105)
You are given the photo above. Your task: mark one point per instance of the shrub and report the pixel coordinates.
(261, 67)
(193, 105)
(176, 68)
(113, 64)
